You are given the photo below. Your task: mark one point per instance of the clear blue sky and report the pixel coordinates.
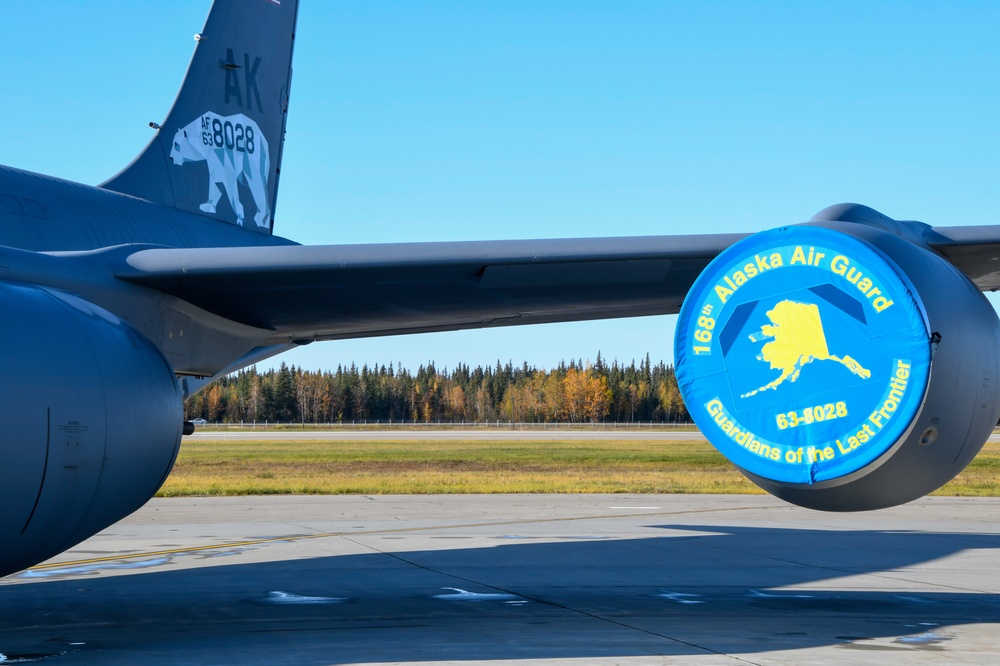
(440, 120)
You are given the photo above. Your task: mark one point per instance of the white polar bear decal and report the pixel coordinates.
(234, 149)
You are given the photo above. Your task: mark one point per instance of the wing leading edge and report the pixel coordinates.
(330, 292)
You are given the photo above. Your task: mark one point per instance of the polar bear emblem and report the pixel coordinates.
(235, 151)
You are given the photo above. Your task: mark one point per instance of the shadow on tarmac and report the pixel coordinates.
(697, 590)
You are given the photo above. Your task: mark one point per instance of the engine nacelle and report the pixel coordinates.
(92, 418)
(839, 366)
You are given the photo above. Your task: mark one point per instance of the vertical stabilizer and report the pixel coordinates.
(218, 153)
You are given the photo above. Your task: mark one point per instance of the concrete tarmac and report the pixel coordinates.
(556, 579)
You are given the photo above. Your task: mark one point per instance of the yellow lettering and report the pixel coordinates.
(839, 264)
(881, 303)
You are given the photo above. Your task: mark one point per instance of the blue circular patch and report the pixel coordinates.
(802, 354)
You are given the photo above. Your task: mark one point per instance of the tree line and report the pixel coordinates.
(576, 392)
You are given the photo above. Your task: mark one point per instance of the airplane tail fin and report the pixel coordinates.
(218, 153)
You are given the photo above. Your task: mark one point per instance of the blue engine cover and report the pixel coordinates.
(839, 366)
(803, 354)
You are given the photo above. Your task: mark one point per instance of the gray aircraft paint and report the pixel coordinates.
(122, 299)
(230, 112)
(93, 394)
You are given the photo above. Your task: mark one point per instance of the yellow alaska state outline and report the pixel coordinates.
(796, 339)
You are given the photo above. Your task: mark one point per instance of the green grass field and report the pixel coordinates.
(233, 467)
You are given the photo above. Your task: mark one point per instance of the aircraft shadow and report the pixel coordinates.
(696, 590)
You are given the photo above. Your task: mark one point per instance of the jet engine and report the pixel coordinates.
(840, 366)
(92, 420)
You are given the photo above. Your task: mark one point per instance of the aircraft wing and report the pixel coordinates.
(331, 292)
(346, 291)
(974, 250)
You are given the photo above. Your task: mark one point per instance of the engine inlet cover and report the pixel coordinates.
(803, 354)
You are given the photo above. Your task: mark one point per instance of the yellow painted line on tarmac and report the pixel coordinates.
(326, 535)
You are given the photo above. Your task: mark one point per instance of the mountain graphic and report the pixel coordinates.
(796, 340)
